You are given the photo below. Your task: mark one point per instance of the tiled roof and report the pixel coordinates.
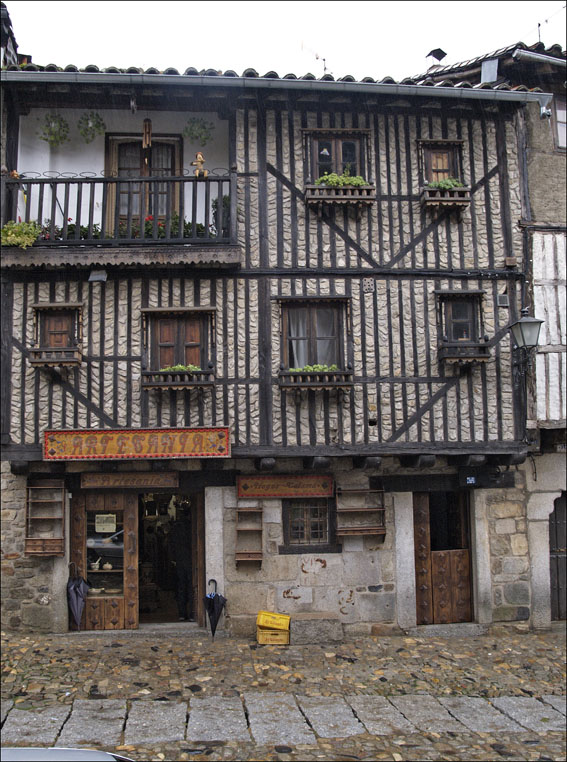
(423, 81)
(555, 50)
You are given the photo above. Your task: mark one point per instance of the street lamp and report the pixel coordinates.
(525, 331)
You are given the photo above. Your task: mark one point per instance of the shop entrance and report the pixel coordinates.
(171, 565)
(442, 557)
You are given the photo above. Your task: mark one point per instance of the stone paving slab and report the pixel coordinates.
(426, 713)
(275, 718)
(559, 703)
(478, 715)
(38, 727)
(531, 713)
(379, 716)
(5, 707)
(217, 718)
(155, 722)
(93, 720)
(330, 717)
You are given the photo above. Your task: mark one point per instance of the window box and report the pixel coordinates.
(57, 335)
(464, 352)
(452, 197)
(333, 379)
(166, 379)
(316, 195)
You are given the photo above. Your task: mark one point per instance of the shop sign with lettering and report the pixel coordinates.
(285, 486)
(136, 480)
(129, 444)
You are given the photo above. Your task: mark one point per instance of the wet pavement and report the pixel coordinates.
(171, 693)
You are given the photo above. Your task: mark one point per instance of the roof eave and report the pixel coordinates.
(260, 83)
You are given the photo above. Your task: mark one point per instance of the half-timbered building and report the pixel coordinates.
(322, 373)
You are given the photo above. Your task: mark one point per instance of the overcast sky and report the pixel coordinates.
(360, 38)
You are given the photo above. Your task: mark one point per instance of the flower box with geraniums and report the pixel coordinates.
(178, 377)
(446, 193)
(340, 189)
(315, 377)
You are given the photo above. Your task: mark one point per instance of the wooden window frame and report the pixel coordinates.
(473, 348)
(43, 353)
(336, 139)
(557, 122)
(112, 143)
(453, 149)
(331, 546)
(155, 377)
(341, 378)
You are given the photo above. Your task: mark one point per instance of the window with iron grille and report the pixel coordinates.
(309, 525)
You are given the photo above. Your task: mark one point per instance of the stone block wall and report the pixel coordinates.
(509, 556)
(31, 598)
(357, 584)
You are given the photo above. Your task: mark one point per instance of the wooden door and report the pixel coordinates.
(115, 607)
(198, 557)
(558, 558)
(442, 558)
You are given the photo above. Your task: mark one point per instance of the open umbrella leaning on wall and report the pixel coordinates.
(77, 589)
(214, 604)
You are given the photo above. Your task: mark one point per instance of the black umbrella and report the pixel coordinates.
(214, 604)
(77, 589)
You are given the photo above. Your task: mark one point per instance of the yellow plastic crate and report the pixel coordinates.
(272, 637)
(269, 620)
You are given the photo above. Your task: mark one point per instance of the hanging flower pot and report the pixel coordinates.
(91, 125)
(55, 130)
(199, 130)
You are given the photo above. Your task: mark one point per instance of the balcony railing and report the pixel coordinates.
(119, 211)
(167, 379)
(464, 352)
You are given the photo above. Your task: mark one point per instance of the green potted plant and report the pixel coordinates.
(332, 188)
(450, 192)
(21, 234)
(199, 130)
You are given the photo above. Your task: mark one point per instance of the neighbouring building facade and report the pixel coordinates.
(322, 374)
(543, 135)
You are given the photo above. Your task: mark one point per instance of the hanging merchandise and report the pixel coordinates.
(91, 125)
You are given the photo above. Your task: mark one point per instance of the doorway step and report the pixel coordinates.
(457, 630)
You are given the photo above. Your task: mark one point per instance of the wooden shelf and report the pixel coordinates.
(45, 494)
(249, 535)
(360, 530)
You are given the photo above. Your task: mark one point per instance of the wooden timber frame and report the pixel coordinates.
(396, 378)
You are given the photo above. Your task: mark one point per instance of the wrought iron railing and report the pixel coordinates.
(124, 210)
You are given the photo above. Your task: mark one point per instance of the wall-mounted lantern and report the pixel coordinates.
(525, 331)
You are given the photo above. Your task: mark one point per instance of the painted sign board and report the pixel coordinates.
(129, 444)
(124, 480)
(285, 486)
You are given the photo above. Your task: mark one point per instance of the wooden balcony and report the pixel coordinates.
(167, 379)
(359, 197)
(124, 211)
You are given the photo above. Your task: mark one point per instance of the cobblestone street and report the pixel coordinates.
(171, 693)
